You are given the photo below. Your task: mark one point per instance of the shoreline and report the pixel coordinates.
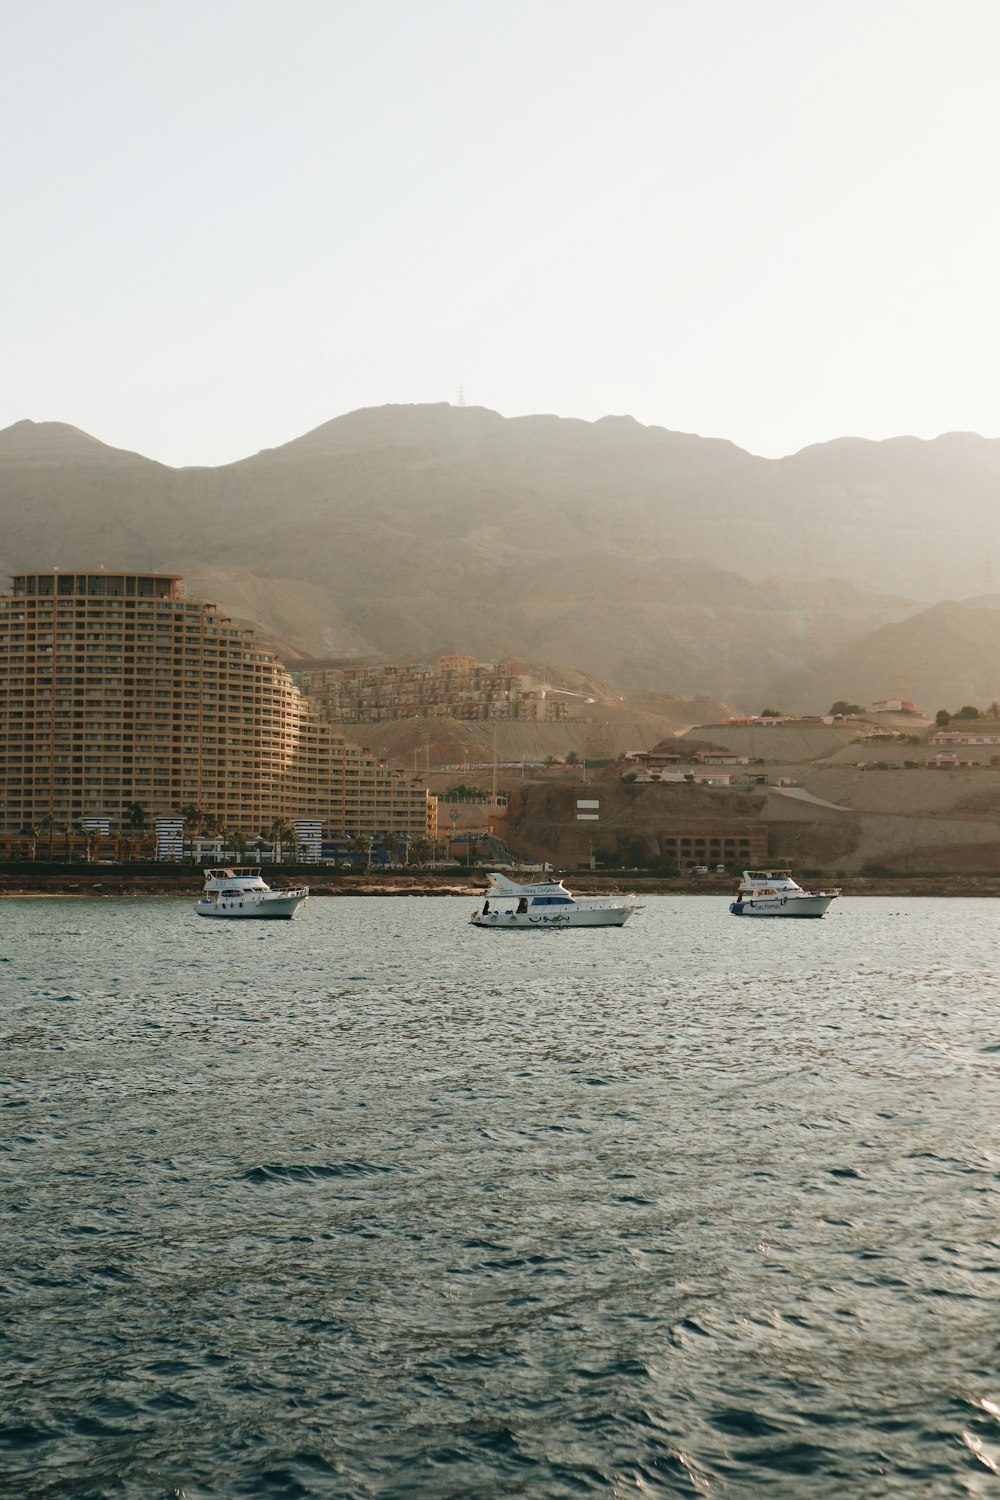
(427, 883)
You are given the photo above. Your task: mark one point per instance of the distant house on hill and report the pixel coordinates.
(657, 760)
(894, 706)
(667, 765)
(980, 732)
(678, 776)
(761, 721)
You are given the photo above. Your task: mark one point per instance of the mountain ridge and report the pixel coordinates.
(609, 420)
(661, 560)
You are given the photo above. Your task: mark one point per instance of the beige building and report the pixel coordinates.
(457, 687)
(116, 691)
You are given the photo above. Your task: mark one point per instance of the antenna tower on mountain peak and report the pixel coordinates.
(461, 396)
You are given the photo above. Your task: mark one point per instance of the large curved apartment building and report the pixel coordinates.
(116, 690)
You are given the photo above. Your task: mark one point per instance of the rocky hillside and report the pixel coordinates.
(663, 561)
(869, 805)
(600, 730)
(941, 658)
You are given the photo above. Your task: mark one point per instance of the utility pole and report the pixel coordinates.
(494, 762)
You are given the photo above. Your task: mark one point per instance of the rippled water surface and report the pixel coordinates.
(375, 1203)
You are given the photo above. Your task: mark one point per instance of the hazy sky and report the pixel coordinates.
(226, 221)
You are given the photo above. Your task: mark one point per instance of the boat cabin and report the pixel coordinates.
(234, 880)
(767, 882)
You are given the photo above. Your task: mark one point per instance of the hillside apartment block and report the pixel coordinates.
(117, 691)
(456, 687)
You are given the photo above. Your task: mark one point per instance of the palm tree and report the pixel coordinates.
(195, 821)
(391, 843)
(421, 848)
(26, 850)
(136, 814)
(278, 832)
(194, 817)
(48, 823)
(360, 844)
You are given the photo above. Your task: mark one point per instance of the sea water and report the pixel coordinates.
(374, 1203)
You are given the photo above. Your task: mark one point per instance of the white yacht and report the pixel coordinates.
(239, 891)
(773, 893)
(510, 905)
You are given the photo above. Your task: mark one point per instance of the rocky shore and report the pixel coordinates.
(189, 885)
(431, 883)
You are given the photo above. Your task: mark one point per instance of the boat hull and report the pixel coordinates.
(546, 906)
(782, 906)
(278, 910)
(504, 921)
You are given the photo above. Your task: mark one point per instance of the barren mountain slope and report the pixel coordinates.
(943, 657)
(635, 552)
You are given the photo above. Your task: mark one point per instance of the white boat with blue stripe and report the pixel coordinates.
(544, 905)
(773, 893)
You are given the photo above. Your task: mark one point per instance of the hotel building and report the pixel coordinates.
(116, 691)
